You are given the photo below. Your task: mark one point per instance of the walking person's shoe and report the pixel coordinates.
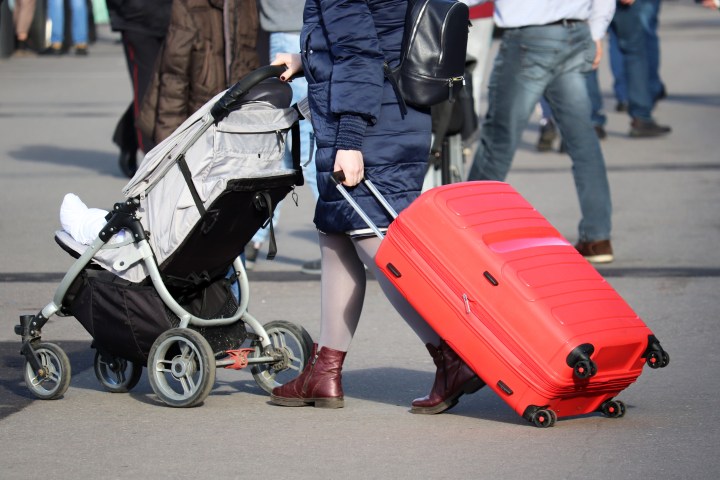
(621, 106)
(599, 251)
(453, 379)
(313, 267)
(22, 49)
(548, 134)
(319, 385)
(81, 50)
(56, 49)
(647, 129)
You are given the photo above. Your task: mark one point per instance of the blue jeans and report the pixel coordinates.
(597, 116)
(550, 60)
(618, 68)
(79, 25)
(635, 56)
(290, 42)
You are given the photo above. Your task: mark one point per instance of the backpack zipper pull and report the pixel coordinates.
(451, 81)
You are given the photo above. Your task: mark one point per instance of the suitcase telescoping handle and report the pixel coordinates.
(339, 177)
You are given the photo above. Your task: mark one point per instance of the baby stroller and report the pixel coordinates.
(155, 287)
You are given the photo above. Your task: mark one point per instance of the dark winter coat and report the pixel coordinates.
(344, 45)
(142, 16)
(210, 45)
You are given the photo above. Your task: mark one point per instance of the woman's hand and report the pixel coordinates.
(293, 63)
(352, 165)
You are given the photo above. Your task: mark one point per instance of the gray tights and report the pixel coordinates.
(342, 291)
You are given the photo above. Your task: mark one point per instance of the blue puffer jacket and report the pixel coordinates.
(344, 45)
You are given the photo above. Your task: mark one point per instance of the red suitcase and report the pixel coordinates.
(517, 302)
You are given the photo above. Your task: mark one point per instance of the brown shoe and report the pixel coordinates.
(453, 378)
(647, 129)
(318, 385)
(596, 252)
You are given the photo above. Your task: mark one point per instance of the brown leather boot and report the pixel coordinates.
(453, 378)
(318, 385)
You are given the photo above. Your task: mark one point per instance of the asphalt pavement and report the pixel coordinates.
(57, 116)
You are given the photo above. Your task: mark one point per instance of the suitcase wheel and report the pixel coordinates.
(655, 356)
(613, 409)
(579, 360)
(544, 418)
(584, 369)
(658, 359)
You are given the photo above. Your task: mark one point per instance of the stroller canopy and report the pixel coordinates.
(247, 144)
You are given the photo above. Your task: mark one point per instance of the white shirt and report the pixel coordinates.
(522, 13)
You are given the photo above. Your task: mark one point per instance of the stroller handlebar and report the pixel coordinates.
(233, 95)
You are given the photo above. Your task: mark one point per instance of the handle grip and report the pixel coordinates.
(339, 176)
(233, 95)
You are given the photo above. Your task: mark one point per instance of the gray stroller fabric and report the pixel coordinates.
(248, 143)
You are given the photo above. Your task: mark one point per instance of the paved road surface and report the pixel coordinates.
(56, 119)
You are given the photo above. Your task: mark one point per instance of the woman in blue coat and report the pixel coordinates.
(359, 130)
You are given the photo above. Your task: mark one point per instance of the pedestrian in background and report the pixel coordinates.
(143, 25)
(282, 19)
(23, 14)
(547, 48)
(634, 27)
(210, 45)
(78, 27)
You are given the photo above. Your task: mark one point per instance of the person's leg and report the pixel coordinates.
(548, 132)
(515, 87)
(342, 293)
(597, 116)
(22, 18)
(617, 66)
(568, 95)
(632, 43)
(23, 14)
(453, 377)
(141, 51)
(366, 250)
(56, 15)
(649, 13)
(79, 12)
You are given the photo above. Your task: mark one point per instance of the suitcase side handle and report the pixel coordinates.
(339, 176)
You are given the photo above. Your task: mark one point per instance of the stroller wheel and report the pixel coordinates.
(181, 367)
(53, 378)
(115, 374)
(295, 343)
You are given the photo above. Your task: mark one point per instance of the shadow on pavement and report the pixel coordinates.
(98, 161)
(14, 395)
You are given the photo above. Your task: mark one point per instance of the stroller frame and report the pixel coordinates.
(181, 354)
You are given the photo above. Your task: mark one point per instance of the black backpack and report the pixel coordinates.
(432, 59)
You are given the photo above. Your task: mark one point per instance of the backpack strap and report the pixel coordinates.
(387, 71)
